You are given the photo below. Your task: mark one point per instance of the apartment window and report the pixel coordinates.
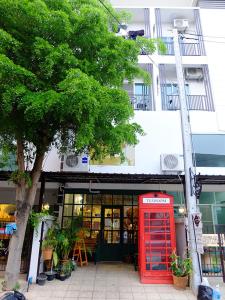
(173, 89)
(141, 89)
(142, 97)
(209, 150)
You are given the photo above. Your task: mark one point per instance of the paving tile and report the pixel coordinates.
(71, 294)
(125, 295)
(110, 295)
(99, 295)
(85, 294)
(139, 296)
(138, 289)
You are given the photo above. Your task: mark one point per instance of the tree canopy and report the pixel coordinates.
(61, 73)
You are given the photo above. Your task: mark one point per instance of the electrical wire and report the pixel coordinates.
(207, 36)
(206, 41)
(112, 15)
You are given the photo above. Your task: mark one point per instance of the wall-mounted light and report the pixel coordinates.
(45, 206)
(182, 210)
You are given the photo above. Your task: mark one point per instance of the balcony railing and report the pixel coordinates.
(187, 49)
(194, 102)
(141, 102)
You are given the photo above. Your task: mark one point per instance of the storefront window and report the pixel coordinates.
(117, 199)
(68, 199)
(207, 218)
(207, 198)
(78, 199)
(220, 198)
(127, 199)
(107, 199)
(90, 206)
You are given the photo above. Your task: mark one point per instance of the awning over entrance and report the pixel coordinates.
(63, 177)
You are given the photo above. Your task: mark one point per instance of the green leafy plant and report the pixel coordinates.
(50, 240)
(64, 243)
(36, 217)
(180, 267)
(17, 176)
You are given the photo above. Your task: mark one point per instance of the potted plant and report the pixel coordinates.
(49, 244)
(41, 279)
(181, 269)
(64, 245)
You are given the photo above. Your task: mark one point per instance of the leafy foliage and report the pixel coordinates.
(62, 71)
(35, 219)
(180, 267)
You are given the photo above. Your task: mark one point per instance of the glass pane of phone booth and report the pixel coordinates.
(157, 240)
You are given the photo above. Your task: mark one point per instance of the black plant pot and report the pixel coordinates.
(57, 275)
(50, 275)
(41, 279)
(62, 277)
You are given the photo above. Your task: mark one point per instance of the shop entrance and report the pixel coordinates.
(110, 220)
(111, 233)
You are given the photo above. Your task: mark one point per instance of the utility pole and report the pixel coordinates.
(188, 167)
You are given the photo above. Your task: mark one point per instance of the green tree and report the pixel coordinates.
(61, 73)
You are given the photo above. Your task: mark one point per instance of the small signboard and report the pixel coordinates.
(156, 200)
(197, 222)
(84, 160)
(212, 240)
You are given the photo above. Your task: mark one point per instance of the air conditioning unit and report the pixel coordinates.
(75, 163)
(193, 74)
(172, 163)
(180, 24)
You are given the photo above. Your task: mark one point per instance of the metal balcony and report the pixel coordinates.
(194, 102)
(187, 49)
(141, 102)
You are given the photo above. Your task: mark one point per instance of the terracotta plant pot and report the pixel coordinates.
(47, 253)
(180, 282)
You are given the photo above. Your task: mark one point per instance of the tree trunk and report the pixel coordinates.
(24, 204)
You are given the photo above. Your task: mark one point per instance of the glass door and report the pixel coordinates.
(111, 236)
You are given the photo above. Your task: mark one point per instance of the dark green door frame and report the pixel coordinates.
(110, 250)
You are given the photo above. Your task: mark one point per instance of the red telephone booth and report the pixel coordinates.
(156, 237)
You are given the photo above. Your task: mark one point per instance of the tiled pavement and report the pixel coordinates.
(105, 281)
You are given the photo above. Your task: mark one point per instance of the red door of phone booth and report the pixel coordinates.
(156, 237)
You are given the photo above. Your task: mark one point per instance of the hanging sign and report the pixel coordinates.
(197, 223)
(156, 200)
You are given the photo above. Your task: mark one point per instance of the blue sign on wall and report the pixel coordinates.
(84, 160)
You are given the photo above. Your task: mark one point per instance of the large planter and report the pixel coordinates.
(47, 253)
(50, 275)
(180, 282)
(41, 279)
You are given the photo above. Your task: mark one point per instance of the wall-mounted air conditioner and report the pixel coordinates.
(172, 162)
(180, 24)
(75, 163)
(193, 74)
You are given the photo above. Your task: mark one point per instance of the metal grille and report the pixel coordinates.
(142, 101)
(194, 102)
(217, 4)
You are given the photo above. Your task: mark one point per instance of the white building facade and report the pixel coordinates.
(94, 189)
